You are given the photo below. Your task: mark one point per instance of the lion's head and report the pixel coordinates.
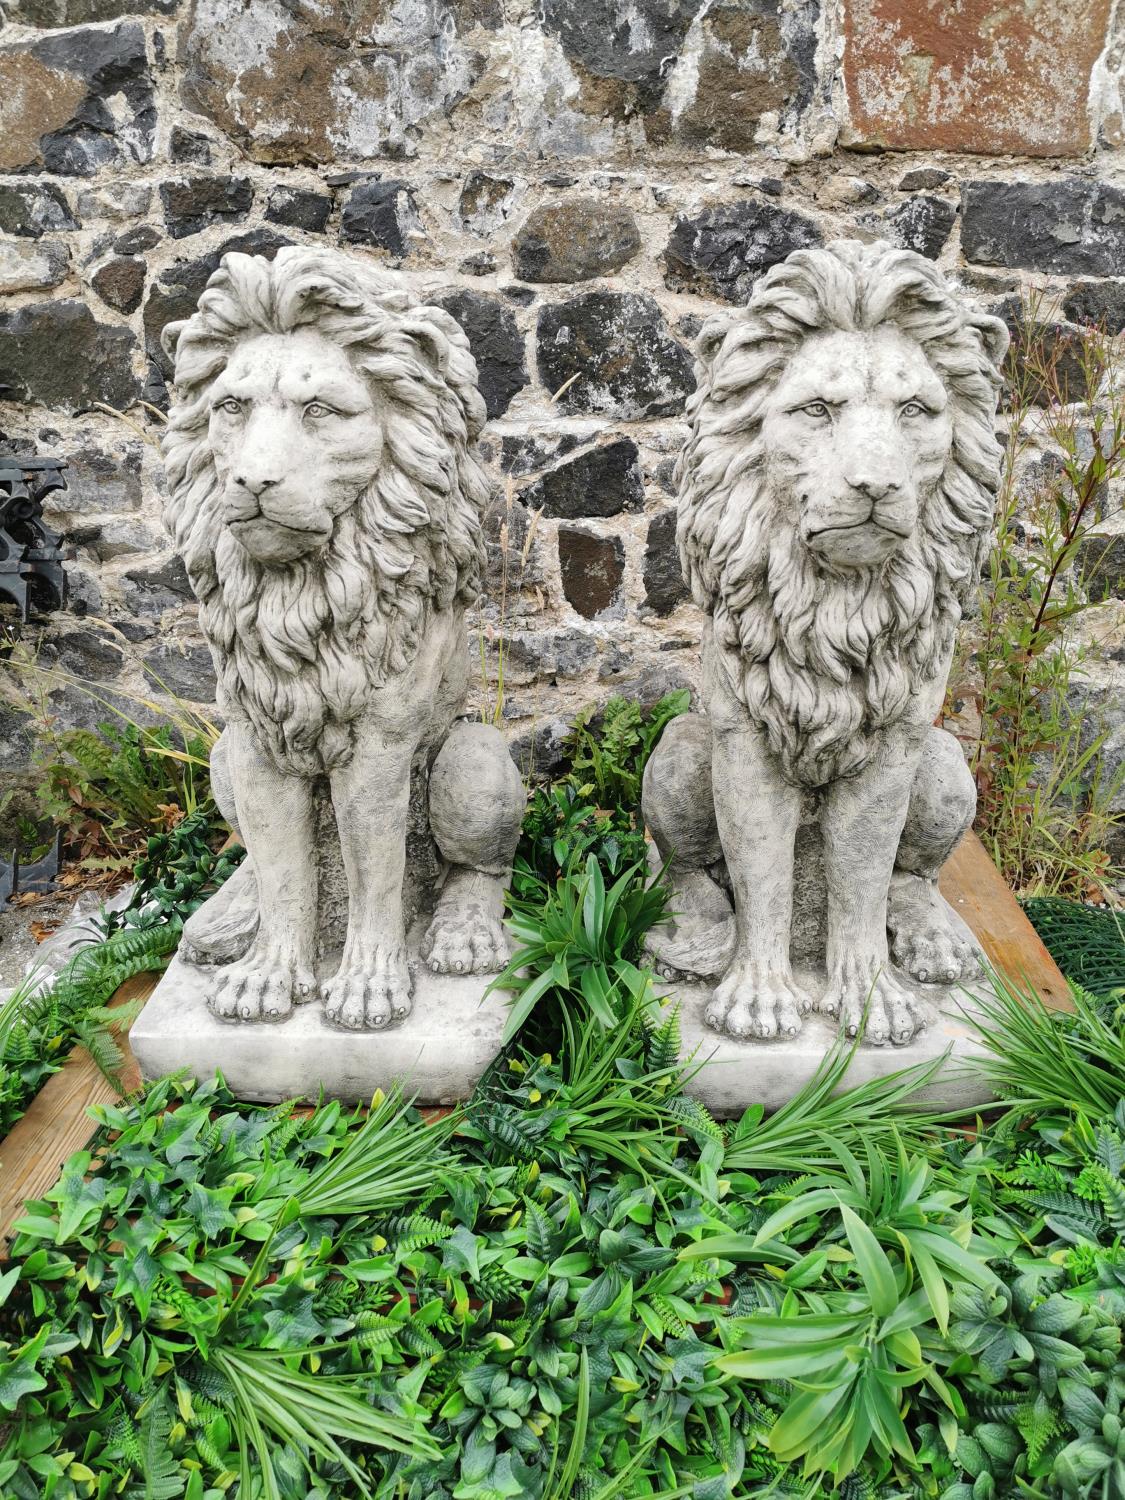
(324, 489)
(837, 491)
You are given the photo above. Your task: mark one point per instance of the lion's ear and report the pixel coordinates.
(431, 335)
(994, 336)
(170, 337)
(711, 337)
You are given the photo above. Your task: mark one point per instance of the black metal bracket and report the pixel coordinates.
(32, 575)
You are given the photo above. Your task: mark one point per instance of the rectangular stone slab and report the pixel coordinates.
(438, 1053)
(732, 1074)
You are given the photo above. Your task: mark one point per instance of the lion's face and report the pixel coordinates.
(856, 436)
(296, 438)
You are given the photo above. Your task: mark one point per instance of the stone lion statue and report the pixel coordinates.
(325, 495)
(836, 498)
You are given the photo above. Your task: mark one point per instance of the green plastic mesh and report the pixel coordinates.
(1087, 942)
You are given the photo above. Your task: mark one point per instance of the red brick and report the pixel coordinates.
(972, 75)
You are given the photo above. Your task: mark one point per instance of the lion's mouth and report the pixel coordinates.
(260, 515)
(878, 523)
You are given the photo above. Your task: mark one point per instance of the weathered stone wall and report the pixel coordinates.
(579, 183)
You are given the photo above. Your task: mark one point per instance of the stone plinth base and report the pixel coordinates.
(733, 1074)
(438, 1053)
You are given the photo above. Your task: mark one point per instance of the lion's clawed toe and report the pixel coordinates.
(671, 972)
(858, 988)
(368, 996)
(259, 988)
(755, 1000)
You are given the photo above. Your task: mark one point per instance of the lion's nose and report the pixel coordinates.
(256, 484)
(875, 486)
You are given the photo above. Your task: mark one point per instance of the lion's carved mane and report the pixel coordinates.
(828, 659)
(299, 648)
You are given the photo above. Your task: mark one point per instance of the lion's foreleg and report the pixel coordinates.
(275, 816)
(371, 797)
(757, 812)
(862, 823)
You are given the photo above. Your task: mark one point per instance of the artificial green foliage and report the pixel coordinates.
(575, 1287)
(806, 1132)
(561, 830)
(1053, 1058)
(177, 872)
(594, 809)
(582, 941)
(582, 1286)
(609, 747)
(33, 1038)
(39, 1027)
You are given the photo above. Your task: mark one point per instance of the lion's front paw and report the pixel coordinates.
(757, 1000)
(935, 955)
(857, 986)
(928, 939)
(466, 934)
(469, 941)
(263, 986)
(367, 996)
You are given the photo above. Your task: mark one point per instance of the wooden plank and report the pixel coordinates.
(974, 887)
(56, 1123)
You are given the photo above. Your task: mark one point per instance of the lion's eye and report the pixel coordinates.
(912, 409)
(815, 409)
(230, 405)
(318, 409)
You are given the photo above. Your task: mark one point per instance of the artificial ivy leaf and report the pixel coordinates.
(137, 1274)
(81, 1204)
(292, 1322)
(210, 1209)
(18, 1376)
(179, 1139)
(690, 1359)
(460, 1252)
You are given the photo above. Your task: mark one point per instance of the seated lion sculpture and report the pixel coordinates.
(326, 497)
(836, 498)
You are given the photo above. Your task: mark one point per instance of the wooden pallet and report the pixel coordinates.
(58, 1124)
